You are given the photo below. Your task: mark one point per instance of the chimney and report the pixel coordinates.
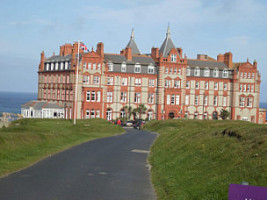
(255, 64)
(180, 51)
(220, 58)
(154, 52)
(128, 53)
(61, 51)
(122, 52)
(41, 65)
(202, 57)
(228, 59)
(100, 49)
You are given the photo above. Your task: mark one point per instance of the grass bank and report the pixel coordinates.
(29, 140)
(194, 159)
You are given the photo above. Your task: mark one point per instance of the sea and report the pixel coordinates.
(11, 101)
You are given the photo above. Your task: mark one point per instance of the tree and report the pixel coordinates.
(141, 109)
(224, 114)
(129, 111)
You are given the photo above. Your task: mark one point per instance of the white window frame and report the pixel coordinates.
(124, 81)
(110, 66)
(216, 72)
(216, 86)
(98, 96)
(196, 100)
(137, 68)
(197, 85)
(137, 81)
(177, 102)
(173, 99)
(150, 69)
(168, 99)
(225, 73)
(205, 100)
(186, 99)
(224, 101)
(173, 58)
(96, 80)
(151, 82)
(206, 85)
(110, 80)
(215, 100)
(188, 71)
(123, 67)
(109, 97)
(206, 72)
(197, 71)
(137, 97)
(88, 96)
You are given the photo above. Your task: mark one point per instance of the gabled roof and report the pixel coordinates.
(167, 45)
(116, 58)
(132, 45)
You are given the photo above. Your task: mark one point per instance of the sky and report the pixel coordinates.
(27, 27)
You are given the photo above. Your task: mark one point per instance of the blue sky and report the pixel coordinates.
(198, 26)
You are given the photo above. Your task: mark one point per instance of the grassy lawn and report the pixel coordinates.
(29, 140)
(194, 159)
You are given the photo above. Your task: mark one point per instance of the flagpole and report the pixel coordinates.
(76, 87)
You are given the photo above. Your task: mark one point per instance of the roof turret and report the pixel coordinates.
(131, 44)
(167, 45)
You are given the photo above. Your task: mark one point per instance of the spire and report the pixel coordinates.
(132, 34)
(167, 45)
(131, 44)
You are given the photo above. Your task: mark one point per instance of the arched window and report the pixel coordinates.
(109, 115)
(137, 68)
(123, 113)
(215, 72)
(207, 72)
(197, 71)
(150, 115)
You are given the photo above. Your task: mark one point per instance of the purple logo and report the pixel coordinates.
(247, 192)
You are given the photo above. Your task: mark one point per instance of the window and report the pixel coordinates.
(177, 84)
(205, 115)
(84, 65)
(225, 73)
(187, 84)
(205, 100)
(242, 101)
(56, 68)
(175, 70)
(197, 85)
(110, 80)
(244, 88)
(109, 97)
(89, 65)
(97, 114)
(93, 96)
(248, 75)
(98, 97)
(88, 96)
(245, 75)
(197, 71)
(207, 72)
(47, 66)
(109, 114)
(166, 70)
(124, 81)
(188, 71)
(87, 114)
(151, 82)
(137, 81)
(168, 83)
(240, 87)
(123, 67)
(168, 99)
(96, 80)
(98, 67)
(92, 114)
(252, 88)
(110, 66)
(61, 65)
(137, 68)
(215, 101)
(224, 101)
(170, 70)
(150, 115)
(215, 73)
(179, 71)
(86, 79)
(225, 86)
(123, 97)
(52, 66)
(150, 69)
(196, 115)
(249, 102)
(196, 100)
(186, 99)
(66, 65)
(150, 98)
(241, 75)
(216, 86)
(173, 57)
(173, 100)
(248, 88)
(94, 66)
(252, 75)
(137, 97)
(206, 85)
(177, 99)
(123, 114)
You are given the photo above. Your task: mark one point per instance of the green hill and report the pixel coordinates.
(194, 159)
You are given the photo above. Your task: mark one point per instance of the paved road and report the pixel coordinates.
(106, 169)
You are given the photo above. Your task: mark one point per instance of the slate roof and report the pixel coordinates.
(167, 45)
(132, 44)
(38, 105)
(58, 58)
(115, 58)
(204, 64)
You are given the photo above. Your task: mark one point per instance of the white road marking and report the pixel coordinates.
(140, 151)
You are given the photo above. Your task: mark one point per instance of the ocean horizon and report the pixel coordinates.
(11, 101)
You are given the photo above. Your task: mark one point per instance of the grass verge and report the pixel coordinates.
(29, 140)
(194, 159)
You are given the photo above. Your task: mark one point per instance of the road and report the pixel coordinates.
(112, 168)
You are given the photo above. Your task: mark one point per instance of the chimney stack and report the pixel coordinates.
(41, 65)
(100, 49)
(128, 53)
(154, 52)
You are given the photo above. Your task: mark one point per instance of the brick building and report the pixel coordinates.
(169, 84)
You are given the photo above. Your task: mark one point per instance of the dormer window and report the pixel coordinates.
(197, 71)
(150, 69)
(52, 66)
(123, 67)
(47, 66)
(173, 58)
(188, 71)
(56, 68)
(110, 66)
(207, 72)
(225, 73)
(137, 68)
(66, 65)
(61, 65)
(216, 73)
